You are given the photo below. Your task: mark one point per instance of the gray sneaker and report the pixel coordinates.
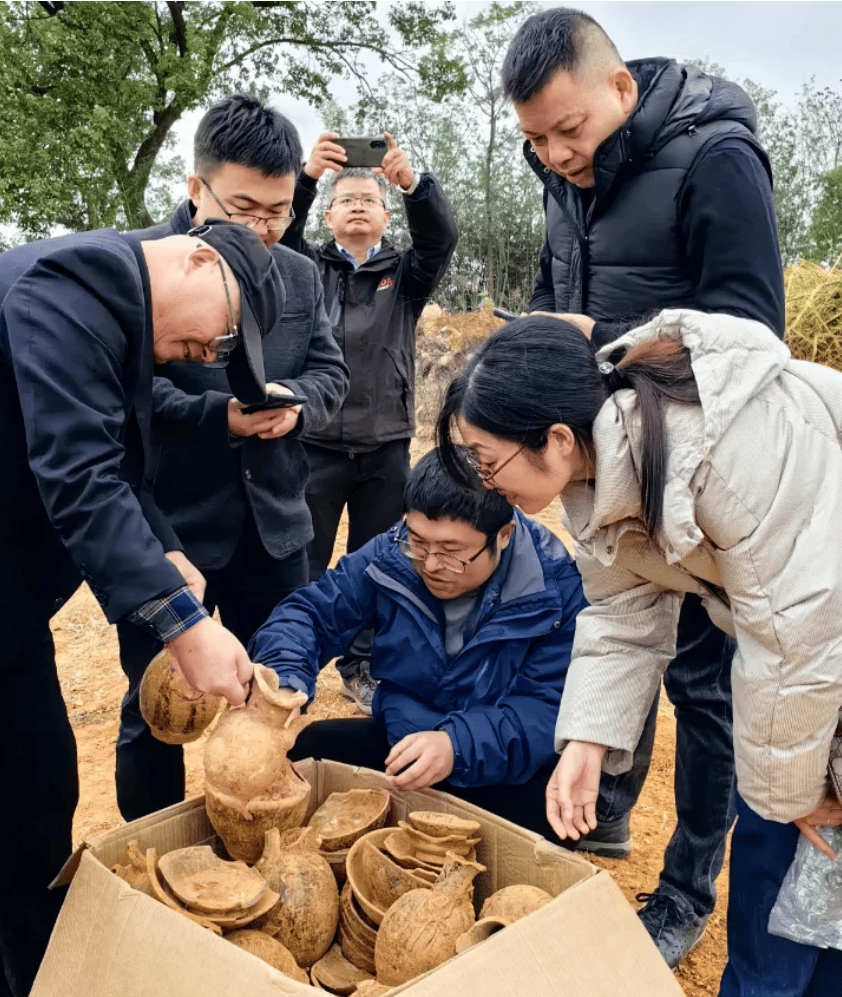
(673, 924)
(610, 838)
(361, 688)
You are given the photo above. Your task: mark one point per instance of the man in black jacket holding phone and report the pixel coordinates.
(232, 483)
(374, 294)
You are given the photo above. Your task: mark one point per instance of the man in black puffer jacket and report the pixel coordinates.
(657, 195)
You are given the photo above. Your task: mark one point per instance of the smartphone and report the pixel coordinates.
(366, 150)
(503, 314)
(275, 401)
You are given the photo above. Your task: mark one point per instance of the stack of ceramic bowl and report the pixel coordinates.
(335, 974)
(343, 818)
(423, 843)
(227, 894)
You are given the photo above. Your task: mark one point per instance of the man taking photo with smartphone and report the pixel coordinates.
(374, 294)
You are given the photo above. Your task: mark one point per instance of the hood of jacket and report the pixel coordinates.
(672, 99)
(733, 360)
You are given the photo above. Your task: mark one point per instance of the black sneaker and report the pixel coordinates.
(672, 923)
(610, 839)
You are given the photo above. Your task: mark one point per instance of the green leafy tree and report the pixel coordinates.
(825, 235)
(91, 91)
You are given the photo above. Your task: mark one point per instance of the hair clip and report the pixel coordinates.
(606, 368)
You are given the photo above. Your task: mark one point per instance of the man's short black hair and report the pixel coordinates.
(544, 44)
(432, 492)
(241, 130)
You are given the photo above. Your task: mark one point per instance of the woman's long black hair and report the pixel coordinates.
(537, 371)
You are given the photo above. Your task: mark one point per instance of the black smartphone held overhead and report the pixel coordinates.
(367, 150)
(503, 314)
(275, 401)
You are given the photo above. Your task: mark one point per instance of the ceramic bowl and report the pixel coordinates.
(345, 817)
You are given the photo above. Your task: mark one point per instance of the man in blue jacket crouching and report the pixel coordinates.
(473, 608)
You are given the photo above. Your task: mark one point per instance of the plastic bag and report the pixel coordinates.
(809, 904)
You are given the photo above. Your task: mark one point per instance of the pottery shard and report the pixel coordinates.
(371, 988)
(440, 825)
(335, 973)
(174, 711)
(514, 902)
(134, 871)
(345, 817)
(270, 950)
(208, 884)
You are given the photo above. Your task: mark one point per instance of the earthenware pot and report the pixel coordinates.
(306, 917)
(174, 711)
(345, 817)
(420, 929)
(250, 786)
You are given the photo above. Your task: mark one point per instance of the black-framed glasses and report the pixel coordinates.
(366, 200)
(484, 471)
(224, 346)
(416, 551)
(274, 223)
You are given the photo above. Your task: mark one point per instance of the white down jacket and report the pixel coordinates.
(753, 524)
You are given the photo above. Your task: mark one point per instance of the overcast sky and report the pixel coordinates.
(779, 45)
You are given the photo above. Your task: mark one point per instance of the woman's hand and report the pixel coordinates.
(573, 789)
(827, 814)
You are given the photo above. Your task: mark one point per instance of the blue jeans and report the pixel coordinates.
(760, 964)
(698, 684)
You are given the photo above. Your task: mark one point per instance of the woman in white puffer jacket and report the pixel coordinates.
(691, 455)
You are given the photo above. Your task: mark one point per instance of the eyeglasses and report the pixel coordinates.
(274, 223)
(485, 471)
(223, 346)
(367, 201)
(416, 551)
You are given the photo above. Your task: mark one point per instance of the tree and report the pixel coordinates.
(825, 235)
(92, 90)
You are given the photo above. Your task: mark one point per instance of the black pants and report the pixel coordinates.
(39, 790)
(150, 774)
(698, 684)
(363, 742)
(371, 485)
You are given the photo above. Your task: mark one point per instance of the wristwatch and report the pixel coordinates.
(416, 179)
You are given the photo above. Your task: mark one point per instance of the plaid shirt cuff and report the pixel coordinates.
(170, 615)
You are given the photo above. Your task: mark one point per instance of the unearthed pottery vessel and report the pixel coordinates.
(307, 915)
(241, 919)
(345, 817)
(514, 902)
(420, 929)
(429, 848)
(269, 950)
(441, 825)
(175, 712)
(336, 861)
(357, 935)
(250, 786)
(134, 872)
(207, 884)
(484, 928)
(335, 973)
(382, 879)
(371, 988)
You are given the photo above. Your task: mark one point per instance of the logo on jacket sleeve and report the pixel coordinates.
(386, 282)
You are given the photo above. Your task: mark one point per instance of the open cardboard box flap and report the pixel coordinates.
(111, 941)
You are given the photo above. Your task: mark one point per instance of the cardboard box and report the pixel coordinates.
(111, 941)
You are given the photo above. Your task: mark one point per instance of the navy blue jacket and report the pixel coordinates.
(75, 390)
(681, 214)
(497, 698)
(207, 480)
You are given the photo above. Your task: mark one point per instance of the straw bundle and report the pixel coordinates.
(814, 313)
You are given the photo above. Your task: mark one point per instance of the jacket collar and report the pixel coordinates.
(517, 578)
(385, 258)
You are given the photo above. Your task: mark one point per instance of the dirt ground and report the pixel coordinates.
(93, 686)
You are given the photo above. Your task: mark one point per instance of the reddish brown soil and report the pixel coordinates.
(93, 685)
